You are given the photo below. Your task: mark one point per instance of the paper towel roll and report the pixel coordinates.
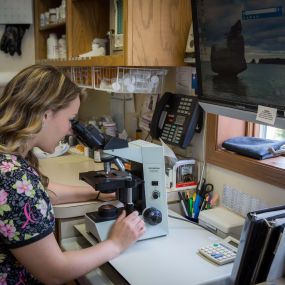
(5, 77)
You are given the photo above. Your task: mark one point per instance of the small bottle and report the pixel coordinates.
(138, 134)
(52, 46)
(42, 20)
(62, 47)
(47, 18)
(52, 15)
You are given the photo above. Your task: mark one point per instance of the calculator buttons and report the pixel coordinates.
(218, 253)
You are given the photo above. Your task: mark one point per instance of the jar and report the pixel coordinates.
(52, 15)
(110, 129)
(52, 46)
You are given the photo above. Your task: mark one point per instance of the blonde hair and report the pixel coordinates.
(24, 101)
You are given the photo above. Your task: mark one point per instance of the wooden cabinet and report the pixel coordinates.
(155, 31)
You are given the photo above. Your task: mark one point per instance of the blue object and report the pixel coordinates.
(257, 148)
(196, 208)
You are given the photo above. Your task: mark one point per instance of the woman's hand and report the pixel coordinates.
(107, 196)
(126, 230)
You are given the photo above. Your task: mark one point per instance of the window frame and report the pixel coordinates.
(219, 128)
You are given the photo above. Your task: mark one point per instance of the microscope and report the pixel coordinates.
(140, 188)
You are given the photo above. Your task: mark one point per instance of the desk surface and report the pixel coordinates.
(65, 169)
(172, 259)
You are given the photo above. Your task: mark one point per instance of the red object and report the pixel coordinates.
(185, 184)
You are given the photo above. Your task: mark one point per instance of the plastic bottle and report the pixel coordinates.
(52, 46)
(42, 20)
(62, 47)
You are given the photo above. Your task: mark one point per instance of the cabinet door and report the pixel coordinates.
(156, 32)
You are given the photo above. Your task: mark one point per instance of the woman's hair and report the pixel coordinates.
(24, 101)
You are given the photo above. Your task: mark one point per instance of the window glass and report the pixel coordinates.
(272, 133)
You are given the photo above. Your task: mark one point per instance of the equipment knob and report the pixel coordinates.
(155, 194)
(152, 216)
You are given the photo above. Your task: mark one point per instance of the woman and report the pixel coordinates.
(35, 111)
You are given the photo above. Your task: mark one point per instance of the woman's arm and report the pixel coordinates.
(45, 260)
(60, 194)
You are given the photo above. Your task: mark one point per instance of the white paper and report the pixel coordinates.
(266, 114)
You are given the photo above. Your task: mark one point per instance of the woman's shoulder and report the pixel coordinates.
(10, 163)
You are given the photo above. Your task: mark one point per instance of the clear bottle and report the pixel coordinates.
(52, 46)
(62, 47)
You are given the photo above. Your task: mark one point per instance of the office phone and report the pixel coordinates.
(176, 118)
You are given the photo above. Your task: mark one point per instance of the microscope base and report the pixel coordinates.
(101, 230)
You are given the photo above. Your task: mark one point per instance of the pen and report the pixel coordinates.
(196, 208)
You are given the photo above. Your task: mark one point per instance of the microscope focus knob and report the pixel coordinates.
(152, 216)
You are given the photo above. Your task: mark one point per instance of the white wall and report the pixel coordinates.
(270, 194)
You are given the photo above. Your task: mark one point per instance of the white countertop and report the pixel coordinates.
(169, 260)
(65, 169)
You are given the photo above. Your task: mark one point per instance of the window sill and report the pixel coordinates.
(271, 170)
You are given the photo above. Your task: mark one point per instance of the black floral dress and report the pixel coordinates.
(26, 216)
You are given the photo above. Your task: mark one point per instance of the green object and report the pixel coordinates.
(190, 207)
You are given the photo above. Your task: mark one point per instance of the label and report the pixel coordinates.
(266, 114)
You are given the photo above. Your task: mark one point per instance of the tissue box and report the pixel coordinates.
(222, 222)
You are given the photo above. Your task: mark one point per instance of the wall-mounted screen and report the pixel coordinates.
(240, 53)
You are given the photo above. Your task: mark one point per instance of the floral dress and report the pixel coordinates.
(26, 216)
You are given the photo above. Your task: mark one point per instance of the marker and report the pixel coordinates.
(191, 207)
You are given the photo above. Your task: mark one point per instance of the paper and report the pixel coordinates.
(266, 114)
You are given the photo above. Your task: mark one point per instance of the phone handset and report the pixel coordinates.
(176, 118)
(159, 115)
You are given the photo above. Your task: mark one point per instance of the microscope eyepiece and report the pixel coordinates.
(89, 135)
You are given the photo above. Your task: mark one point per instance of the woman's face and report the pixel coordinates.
(56, 126)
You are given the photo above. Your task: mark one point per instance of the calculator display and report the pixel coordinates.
(233, 243)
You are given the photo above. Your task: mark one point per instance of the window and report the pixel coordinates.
(220, 128)
(272, 133)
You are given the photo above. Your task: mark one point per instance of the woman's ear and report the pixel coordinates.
(47, 116)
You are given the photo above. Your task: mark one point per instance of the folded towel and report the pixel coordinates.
(257, 148)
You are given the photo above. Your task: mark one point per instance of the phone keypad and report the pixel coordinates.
(184, 106)
(173, 129)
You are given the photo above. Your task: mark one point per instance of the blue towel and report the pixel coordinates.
(257, 148)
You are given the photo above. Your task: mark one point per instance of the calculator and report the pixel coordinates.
(221, 252)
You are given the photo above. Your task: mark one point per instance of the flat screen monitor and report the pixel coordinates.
(240, 56)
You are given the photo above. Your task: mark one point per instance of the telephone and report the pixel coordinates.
(176, 118)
